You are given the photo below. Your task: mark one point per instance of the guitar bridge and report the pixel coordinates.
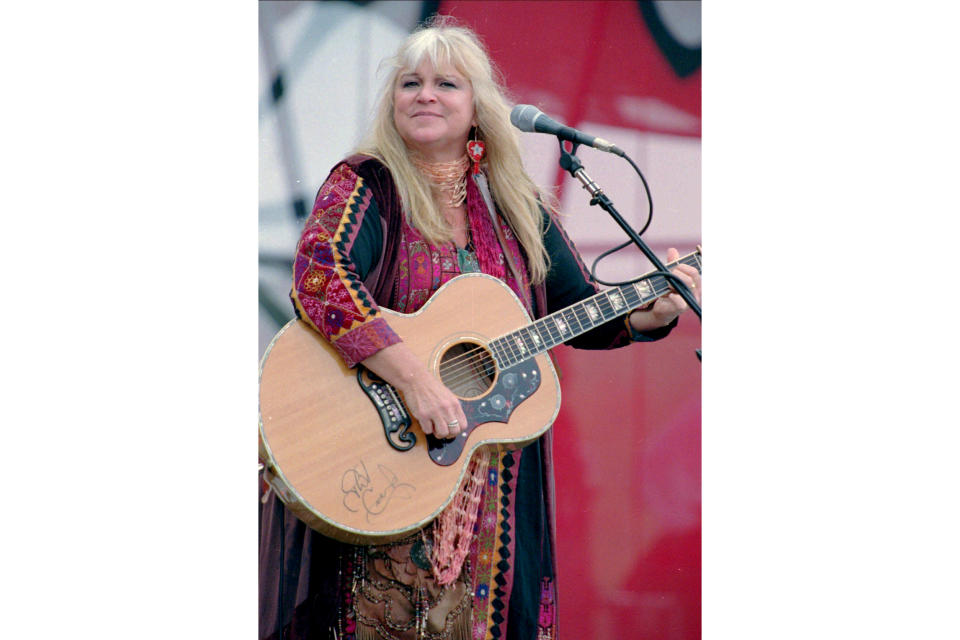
(396, 421)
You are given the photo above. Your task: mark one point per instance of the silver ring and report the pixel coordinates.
(453, 423)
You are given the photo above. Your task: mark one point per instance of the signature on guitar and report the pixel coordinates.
(360, 492)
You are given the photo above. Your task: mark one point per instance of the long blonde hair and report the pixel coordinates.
(515, 193)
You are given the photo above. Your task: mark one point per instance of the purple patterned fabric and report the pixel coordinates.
(327, 291)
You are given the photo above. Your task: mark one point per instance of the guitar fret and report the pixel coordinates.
(661, 286)
(533, 340)
(546, 341)
(544, 328)
(505, 353)
(643, 289)
(563, 323)
(537, 340)
(560, 323)
(616, 299)
(515, 356)
(494, 346)
(606, 308)
(519, 346)
(511, 346)
(581, 318)
(523, 342)
(509, 352)
(516, 338)
(572, 321)
(584, 318)
(555, 329)
(631, 296)
(592, 312)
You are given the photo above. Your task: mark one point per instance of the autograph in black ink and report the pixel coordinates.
(359, 491)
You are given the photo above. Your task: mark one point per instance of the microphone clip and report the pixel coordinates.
(570, 163)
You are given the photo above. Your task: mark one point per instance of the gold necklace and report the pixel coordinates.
(450, 178)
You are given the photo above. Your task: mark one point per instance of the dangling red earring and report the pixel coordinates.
(476, 149)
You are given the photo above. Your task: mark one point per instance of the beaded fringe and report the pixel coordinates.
(453, 529)
(462, 631)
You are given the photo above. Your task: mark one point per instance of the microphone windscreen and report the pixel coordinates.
(523, 117)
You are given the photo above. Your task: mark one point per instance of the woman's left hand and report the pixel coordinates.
(668, 307)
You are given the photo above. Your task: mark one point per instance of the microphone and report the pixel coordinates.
(528, 118)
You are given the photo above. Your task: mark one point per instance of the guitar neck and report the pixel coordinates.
(568, 323)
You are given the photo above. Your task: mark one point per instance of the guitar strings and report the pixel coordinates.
(477, 364)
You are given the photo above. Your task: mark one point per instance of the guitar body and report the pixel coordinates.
(322, 435)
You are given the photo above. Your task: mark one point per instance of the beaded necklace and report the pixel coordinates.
(450, 178)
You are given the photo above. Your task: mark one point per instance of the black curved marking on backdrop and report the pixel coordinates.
(277, 91)
(277, 88)
(300, 208)
(682, 58)
(428, 9)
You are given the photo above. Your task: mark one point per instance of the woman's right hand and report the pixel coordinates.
(434, 406)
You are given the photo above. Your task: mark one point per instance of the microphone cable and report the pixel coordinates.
(628, 242)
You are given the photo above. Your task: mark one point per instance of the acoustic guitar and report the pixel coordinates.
(341, 450)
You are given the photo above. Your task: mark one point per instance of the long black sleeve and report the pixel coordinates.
(568, 282)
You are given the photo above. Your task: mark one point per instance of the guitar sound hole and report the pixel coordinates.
(467, 369)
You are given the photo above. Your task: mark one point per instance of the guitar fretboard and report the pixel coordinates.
(563, 325)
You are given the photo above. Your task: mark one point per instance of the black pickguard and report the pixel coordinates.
(513, 386)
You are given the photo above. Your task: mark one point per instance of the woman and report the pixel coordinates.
(392, 223)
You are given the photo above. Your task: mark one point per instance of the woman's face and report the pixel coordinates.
(433, 111)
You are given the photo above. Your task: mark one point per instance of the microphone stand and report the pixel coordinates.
(570, 163)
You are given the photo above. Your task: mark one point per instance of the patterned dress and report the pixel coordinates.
(357, 253)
